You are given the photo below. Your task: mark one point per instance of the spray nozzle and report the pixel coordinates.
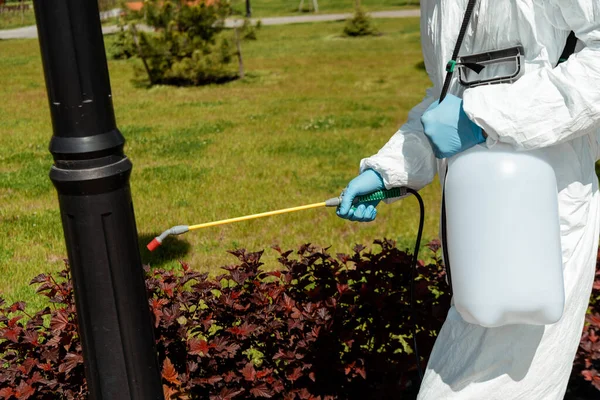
(176, 230)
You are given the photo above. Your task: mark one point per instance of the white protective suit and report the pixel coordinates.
(554, 108)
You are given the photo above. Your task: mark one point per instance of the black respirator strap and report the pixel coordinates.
(461, 37)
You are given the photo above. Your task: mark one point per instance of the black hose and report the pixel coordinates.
(414, 276)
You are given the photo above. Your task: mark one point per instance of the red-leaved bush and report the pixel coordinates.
(586, 369)
(40, 354)
(318, 327)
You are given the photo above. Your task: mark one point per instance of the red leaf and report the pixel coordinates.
(295, 324)
(342, 288)
(18, 306)
(287, 355)
(594, 319)
(240, 307)
(13, 321)
(592, 336)
(243, 330)
(6, 393)
(305, 394)
(191, 366)
(59, 322)
(211, 381)
(226, 394)
(31, 337)
(261, 391)
(53, 342)
(361, 371)
(24, 391)
(27, 365)
(214, 379)
(12, 334)
(169, 372)
(39, 279)
(71, 361)
(590, 374)
(230, 376)
(45, 367)
(275, 292)
(434, 245)
(168, 288)
(348, 368)
(296, 373)
(277, 386)
(157, 305)
(207, 322)
(288, 302)
(231, 350)
(198, 347)
(35, 378)
(263, 373)
(276, 274)
(46, 286)
(315, 331)
(249, 372)
(168, 392)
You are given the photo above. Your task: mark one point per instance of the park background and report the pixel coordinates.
(292, 132)
(313, 102)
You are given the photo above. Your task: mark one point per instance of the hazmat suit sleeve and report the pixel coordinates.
(407, 158)
(550, 105)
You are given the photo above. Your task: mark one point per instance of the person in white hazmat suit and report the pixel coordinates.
(552, 108)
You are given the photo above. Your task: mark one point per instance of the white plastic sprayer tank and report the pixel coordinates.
(503, 237)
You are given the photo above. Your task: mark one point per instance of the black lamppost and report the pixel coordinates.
(91, 176)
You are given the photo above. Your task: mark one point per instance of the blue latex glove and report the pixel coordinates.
(367, 182)
(448, 128)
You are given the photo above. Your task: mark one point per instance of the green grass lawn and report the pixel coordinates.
(291, 133)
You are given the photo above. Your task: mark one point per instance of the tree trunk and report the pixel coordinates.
(136, 40)
(239, 52)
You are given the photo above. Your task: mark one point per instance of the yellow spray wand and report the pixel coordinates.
(333, 202)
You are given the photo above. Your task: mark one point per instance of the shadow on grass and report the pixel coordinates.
(141, 81)
(172, 249)
(420, 66)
